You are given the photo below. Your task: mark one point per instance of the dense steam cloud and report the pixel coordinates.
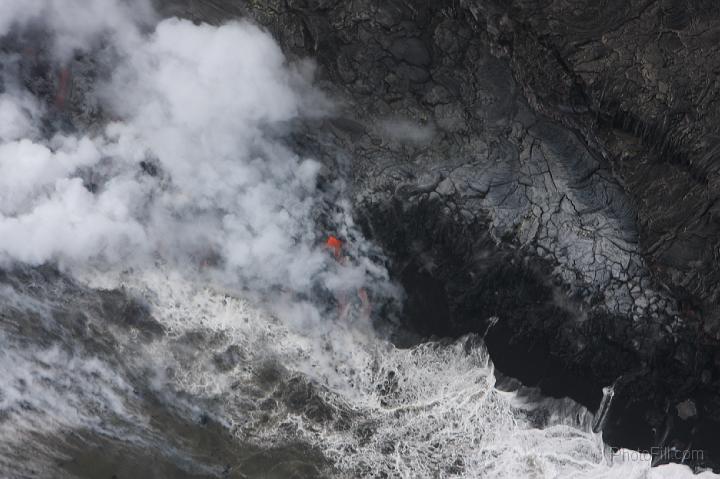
(77, 25)
(187, 169)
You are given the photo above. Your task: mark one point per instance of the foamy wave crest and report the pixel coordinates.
(375, 410)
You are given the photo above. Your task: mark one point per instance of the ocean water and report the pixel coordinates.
(201, 382)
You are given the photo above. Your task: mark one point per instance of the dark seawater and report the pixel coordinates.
(61, 416)
(163, 378)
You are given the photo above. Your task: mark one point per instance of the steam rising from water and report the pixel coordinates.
(190, 170)
(182, 187)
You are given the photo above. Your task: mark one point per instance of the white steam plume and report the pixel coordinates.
(77, 24)
(190, 170)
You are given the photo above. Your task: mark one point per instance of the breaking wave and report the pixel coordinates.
(365, 407)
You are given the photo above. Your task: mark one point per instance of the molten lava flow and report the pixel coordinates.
(336, 245)
(63, 83)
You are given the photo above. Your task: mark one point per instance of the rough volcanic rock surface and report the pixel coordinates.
(640, 80)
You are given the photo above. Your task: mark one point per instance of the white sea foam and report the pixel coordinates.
(428, 411)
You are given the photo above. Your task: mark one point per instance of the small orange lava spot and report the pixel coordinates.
(336, 245)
